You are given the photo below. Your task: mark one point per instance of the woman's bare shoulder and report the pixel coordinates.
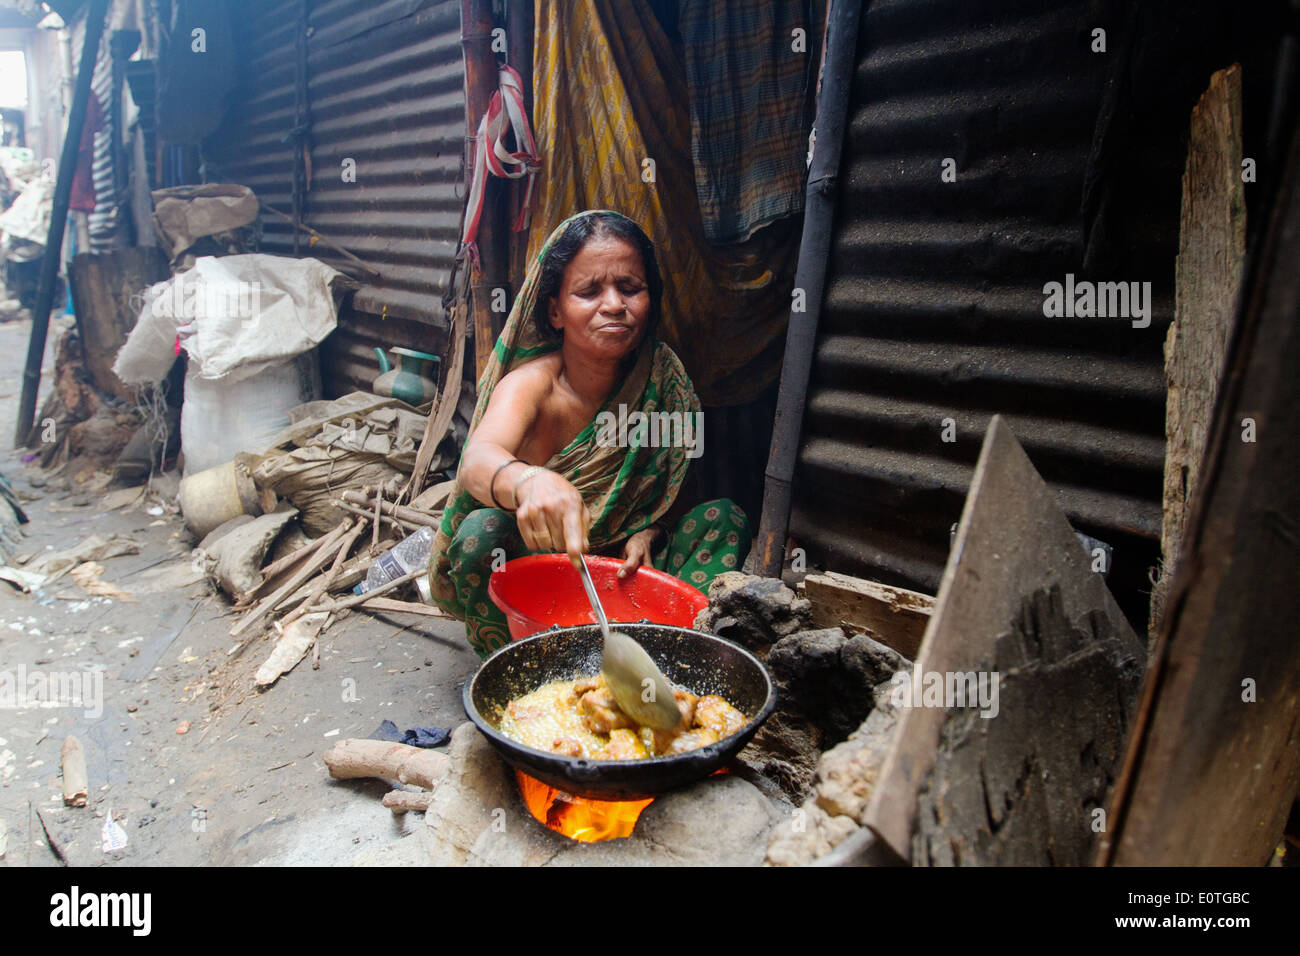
(533, 379)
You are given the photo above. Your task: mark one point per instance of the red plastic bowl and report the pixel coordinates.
(542, 590)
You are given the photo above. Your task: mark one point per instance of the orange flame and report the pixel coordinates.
(587, 821)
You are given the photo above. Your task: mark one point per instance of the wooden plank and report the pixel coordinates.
(1018, 601)
(104, 286)
(1208, 276)
(1214, 763)
(896, 617)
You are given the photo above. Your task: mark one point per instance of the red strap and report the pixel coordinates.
(505, 114)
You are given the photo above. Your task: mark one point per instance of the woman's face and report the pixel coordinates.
(604, 302)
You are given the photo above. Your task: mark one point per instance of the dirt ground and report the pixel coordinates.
(245, 784)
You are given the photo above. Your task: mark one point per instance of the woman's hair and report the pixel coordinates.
(594, 225)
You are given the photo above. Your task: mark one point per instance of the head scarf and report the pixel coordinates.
(626, 487)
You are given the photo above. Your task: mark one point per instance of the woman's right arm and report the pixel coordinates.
(511, 414)
(549, 511)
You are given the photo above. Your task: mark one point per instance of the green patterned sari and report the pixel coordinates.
(626, 487)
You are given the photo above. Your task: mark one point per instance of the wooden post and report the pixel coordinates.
(1212, 766)
(58, 218)
(1208, 275)
(520, 27)
(480, 83)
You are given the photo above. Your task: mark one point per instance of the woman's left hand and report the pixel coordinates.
(637, 550)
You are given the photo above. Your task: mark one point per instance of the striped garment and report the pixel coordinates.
(750, 75)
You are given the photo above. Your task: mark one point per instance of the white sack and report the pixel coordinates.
(236, 316)
(220, 419)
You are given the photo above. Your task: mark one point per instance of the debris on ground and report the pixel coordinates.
(48, 568)
(112, 836)
(75, 780)
(414, 736)
(295, 640)
(88, 578)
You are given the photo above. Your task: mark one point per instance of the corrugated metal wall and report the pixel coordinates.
(934, 303)
(385, 87)
(252, 146)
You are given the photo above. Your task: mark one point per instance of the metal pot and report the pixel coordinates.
(701, 663)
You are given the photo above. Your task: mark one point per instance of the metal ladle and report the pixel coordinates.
(638, 686)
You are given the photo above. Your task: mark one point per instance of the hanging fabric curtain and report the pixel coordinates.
(614, 131)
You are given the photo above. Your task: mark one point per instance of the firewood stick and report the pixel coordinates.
(289, 560)
(286, 564)
(405, 607)
(379, 499)
(396, 522)
(397, 511)
(371, 594)
(314, 563)
(328, 577)
(353, 570)
(355, 757)
(407, 801)
(60, 853)
(75, 782)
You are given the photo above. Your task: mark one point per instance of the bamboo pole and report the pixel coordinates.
(58, 219)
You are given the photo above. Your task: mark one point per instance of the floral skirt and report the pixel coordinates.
(711, 538)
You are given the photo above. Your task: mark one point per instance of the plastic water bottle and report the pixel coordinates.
(409, 554)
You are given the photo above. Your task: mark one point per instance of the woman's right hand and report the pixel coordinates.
(551, 515)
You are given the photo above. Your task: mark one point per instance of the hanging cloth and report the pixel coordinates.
(505, 114)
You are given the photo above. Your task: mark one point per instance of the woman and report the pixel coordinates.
(537, 473)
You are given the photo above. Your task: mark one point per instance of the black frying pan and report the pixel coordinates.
(698, 662)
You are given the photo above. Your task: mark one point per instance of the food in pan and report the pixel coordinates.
(579, 718)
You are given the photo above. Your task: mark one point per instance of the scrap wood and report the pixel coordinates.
(406, 526)
(405, 607)
(353, 571)
(1018, 590)
(379, 503)
(373, 593)
(355, 757)
(402, 512)
(328, 577)
(291, 559)
(75, 781)
(407, 801)
(435, 428)
(314, 563)
(292, 646)
(896, 617)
